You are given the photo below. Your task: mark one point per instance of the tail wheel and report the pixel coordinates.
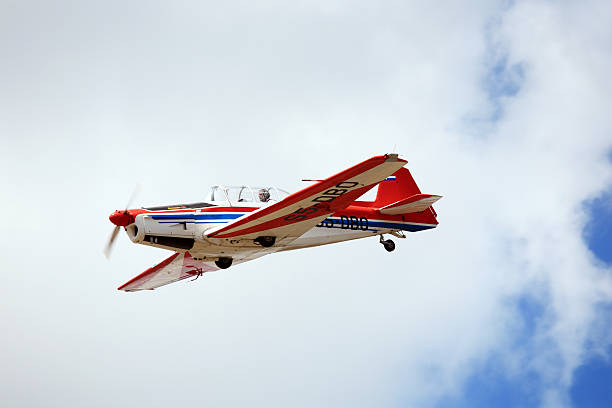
(389, 245)
(224, 262)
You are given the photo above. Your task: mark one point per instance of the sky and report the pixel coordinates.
(502, 107)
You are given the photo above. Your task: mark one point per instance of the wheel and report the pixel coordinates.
(389, 245)
(265, 241)
(224, 262)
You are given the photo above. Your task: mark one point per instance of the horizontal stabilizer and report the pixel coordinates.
(415, 203)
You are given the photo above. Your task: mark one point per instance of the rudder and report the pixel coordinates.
(398, 186)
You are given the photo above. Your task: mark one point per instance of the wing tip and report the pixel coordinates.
(394, 157)
(123, 289)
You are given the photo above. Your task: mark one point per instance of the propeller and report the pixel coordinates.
(114, 217)
(109, 244)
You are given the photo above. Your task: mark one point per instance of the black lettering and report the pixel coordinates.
(327, 223)
(363, 223)
(335, 191)
(306, 210)
(324, 199)
(347, 184)
(354, 223)
(344, 222)
(294, 217)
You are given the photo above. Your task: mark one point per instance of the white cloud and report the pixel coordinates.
(183, 96)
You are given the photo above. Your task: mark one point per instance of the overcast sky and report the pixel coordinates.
(501, 107)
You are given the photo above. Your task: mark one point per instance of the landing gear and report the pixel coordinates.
(388, 244)
(224, 262)
(265, 241)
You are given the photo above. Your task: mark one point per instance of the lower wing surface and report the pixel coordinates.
(177, 267)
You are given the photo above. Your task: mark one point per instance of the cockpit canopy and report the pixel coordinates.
(246, 194)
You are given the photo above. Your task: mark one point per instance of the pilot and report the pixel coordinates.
(264, 195)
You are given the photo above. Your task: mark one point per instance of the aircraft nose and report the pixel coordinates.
(120, 218)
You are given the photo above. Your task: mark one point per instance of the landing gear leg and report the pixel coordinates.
(388, 244)
(224, 262)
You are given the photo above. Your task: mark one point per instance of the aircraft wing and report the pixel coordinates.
(301, 211)
(177, 267)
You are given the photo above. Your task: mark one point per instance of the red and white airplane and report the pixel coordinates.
(239, 224)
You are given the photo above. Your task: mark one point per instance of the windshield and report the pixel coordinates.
(247, 194)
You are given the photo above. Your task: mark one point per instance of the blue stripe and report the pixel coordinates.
(193, 222)
(196, 216)
(404, 227)
(217, 216)
(380, 225)
(216, 219)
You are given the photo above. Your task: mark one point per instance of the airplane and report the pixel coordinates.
(241, 223)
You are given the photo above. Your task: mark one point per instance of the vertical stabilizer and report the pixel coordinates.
(396, 187)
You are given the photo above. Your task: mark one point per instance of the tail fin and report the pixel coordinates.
(399, 194)
(396, 187)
